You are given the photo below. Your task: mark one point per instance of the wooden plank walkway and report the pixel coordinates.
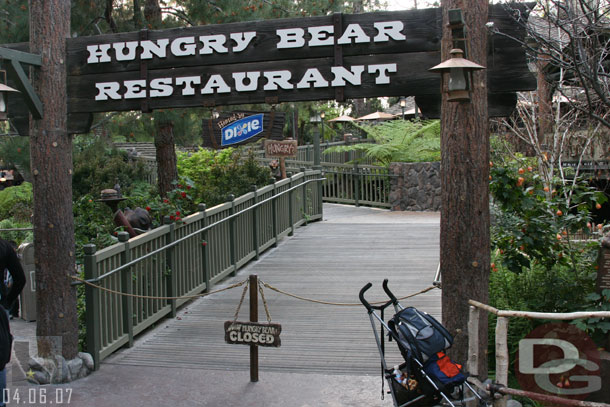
(328, 260)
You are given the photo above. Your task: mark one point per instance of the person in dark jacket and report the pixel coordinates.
(10, 262)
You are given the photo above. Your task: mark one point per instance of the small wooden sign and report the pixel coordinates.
(284, 148)
(241, 127)
(253, 333)
(603, 270)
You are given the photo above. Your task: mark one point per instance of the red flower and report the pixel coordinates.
(179, 185)
(177, 213)
(171, 217)
(165, 201)
(178, 218)
(188, 187)
(148, 208)
(183, 194)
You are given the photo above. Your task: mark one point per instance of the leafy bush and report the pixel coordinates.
(534, 224)
(16, 202)
(17, 236)
(399, 141)
(537, 263)
(213, 175)
(98, 167)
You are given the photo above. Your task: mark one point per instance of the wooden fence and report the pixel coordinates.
(502, 355)
(178, 260)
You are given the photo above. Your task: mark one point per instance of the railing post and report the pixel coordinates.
(232, 242)
(274, 214)
(308, 153)
(473, 341)
(320, 193)
(356, 179)
(204, 247)
(170, 258)
(502, 357)
(255, 224)
(92, 302)
(290, 207)
(304, 189)
(126, 284)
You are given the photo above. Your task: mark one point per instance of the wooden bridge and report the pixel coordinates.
(328, 260)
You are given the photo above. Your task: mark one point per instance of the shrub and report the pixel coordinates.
(213, 175)
(98, 167)
(16, 202)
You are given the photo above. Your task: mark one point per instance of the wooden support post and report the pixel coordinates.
(232, 242)
(283, 167)
(502, 357)
(290, 208)
(127, 288)
(253, 318)
(92, 301)
(274, 215)
(356, 181)
(473, 341)
(304, 189)
(255, 227)
(204, 248)
(172, 286)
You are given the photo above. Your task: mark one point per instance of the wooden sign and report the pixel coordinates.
(236, 128)
(253, 333)
(272, 61)
(603, 270)
(283, 148)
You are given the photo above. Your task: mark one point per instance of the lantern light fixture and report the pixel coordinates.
(4, 90)
(460, 75)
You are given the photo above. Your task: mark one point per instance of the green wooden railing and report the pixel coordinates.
(177, 260)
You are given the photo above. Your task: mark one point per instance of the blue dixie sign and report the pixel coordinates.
(242, 129)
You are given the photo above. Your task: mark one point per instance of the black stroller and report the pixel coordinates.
(427, 377)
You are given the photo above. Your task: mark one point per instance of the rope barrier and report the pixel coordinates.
(261, 284)
(343, 304)
(150, 297)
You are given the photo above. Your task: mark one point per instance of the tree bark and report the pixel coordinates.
(545, 113)
(167, 171)
(465, 246)
(51, 165)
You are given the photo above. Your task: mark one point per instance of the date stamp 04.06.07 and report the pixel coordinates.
(37, 396)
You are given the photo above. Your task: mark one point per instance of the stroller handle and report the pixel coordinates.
(362, 299)
(388, 292)
(366, 304)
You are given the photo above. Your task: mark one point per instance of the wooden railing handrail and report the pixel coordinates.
(195, 233)
(560, 316)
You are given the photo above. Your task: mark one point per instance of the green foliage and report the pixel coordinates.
(399, 141)
(533, 223)
(597, 328)
(98, 167)
(15, 152)
(92, 224)
(538, 288)
(17, 236)
(537, 263)
(16, 202)
(215, 174)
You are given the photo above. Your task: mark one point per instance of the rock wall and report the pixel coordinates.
(415, 186)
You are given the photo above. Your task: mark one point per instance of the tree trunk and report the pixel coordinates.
(51, 165)
(152, 13)
(167, 171)
(465, 247)
(137, 15)
(545, 113)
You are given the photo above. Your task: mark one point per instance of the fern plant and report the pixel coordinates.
(398, 141)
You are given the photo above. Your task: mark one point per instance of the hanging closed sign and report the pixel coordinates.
(253, 333)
